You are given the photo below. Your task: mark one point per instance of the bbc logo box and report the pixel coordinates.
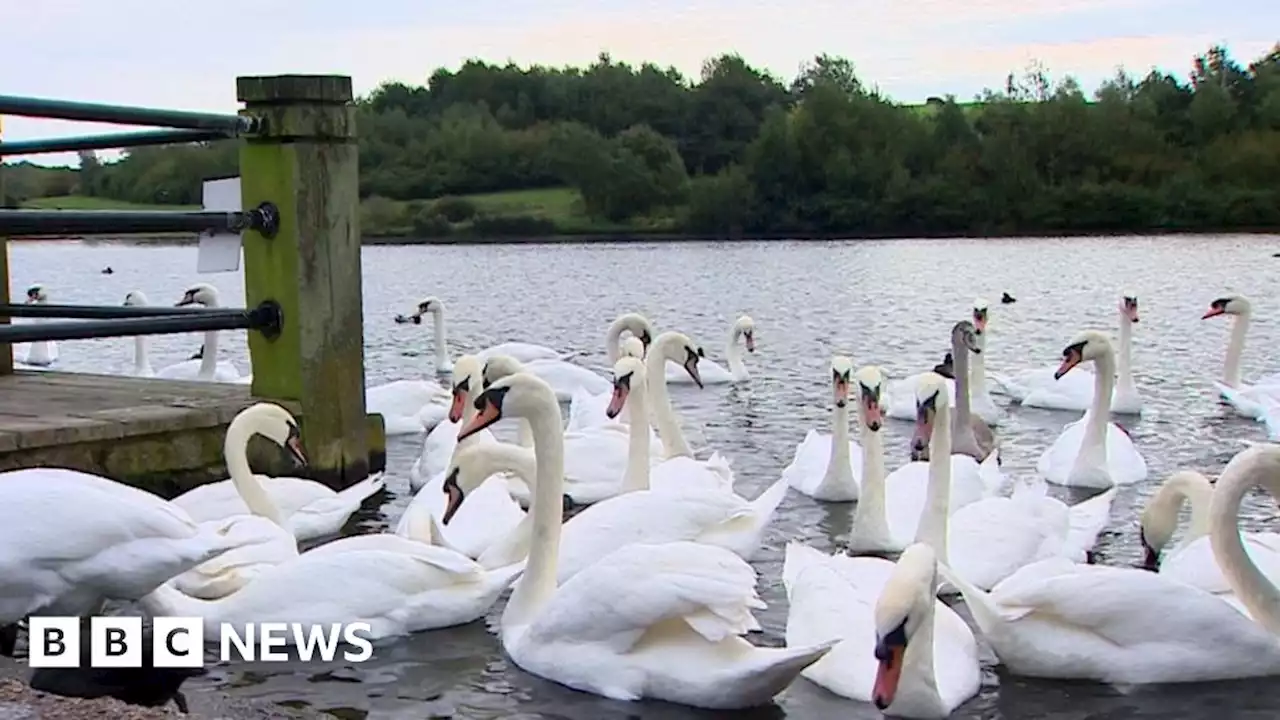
(115, 642)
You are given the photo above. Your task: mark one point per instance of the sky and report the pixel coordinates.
(148, 53)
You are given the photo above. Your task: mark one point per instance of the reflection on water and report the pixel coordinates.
(890, 303)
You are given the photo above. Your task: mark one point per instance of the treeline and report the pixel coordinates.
(740, 152)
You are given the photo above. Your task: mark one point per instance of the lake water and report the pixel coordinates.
(891, 303)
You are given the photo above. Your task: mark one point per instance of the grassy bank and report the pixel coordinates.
(81, 202)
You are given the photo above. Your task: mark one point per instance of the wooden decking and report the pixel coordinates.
(163, 434)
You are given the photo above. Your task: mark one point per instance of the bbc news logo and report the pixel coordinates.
(179, 642)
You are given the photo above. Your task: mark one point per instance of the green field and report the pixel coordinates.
(81, 202)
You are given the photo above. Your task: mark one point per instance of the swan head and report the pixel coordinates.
(1088, 345)
(1129, 307)
(467, 372)
(628, 372)
(901, 610)
(1159, 519)
(841, 376)
(498, 367)
(679, 348)
(980, 315)
(870, 382)
(1225, 305)
(199, 294)
(469, 467)
(632, 347)
(965, 335)
(136, 298)
(931, 396)
(36, 294)
(520, 395)
(275, 424)
(428, 305)
(639, 327)
(747, 327)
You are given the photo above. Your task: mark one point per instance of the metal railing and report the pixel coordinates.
(121, 321)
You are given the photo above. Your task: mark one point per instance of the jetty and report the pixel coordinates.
(303, 301)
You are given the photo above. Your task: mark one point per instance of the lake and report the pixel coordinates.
(886, 302)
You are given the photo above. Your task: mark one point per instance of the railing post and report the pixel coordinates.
(6, 349)
(305, 161)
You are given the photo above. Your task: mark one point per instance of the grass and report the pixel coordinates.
(81, 202)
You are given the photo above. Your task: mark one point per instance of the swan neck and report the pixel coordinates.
(524, 433)
(235, 449)
(869, 518)
(733, 351)
(932, 528)
(1235, 350)
(613, 341)
(168, 600)
(918, 673)
(538, 584)
(1254, 590)
(960, 368)
(441, 341)
(978, 371)
(209, 356)
(1124, 373)
(141, 361)
(638, 448)
(1104, 381)
(839, 467)
(664, 415)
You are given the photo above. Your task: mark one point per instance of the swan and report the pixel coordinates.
(1063, 620)
(898, 645)
(970, 434)
(711, 373)
(586, 409)
(1191, 561)
(409, 407)
(822, 466)
(208, 368)
(656, 621)
(979, 391)
(141, 360)
(396, 585)
(913, 501)
(899, 395)
(41, 353)
(522, 351)
(307, 508)
(1074, 391)
(274, 544)
(1246, 400)
(1271, 418)
(675, 347)
(439, 444)
(69, 540)
(1092, 452)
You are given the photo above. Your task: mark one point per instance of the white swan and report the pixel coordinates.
(40, 354)
(586, 409)
(900, 395)
(273, 543)
(675, 347)
(409, 407)
(979, 390)
(69, 540)
(397, 585)
(1092, 452)
(899, 646)
(208, 368)
(1057, 619)
(1074, 391)
(1247, 400)
(659, 621)
(743, 328)
(822, 466)
(522, 351)
(141, 360)
(1191, 560)
(441, 440)
(308, 509)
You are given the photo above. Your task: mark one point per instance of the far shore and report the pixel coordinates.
(622, 237)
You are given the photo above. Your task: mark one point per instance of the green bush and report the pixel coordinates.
(430, 224)
(508, 225)
(455, 209)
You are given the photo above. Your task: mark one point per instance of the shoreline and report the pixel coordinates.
(646, 237)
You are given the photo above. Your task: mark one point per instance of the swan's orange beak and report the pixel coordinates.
(294, 445)
(1070, 359)
(924, 430)
(750, 339)
(455, 497)
(488, 415)
(840, 391)
(888, 674)
(459, 402)
(621, 390)
(874, 414)
(980, 320)
(1213, 312)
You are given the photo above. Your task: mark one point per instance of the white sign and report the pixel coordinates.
(220, 252)
(116, 641)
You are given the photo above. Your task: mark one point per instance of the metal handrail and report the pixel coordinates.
(267, 318)
(18, 223)
(106, 312)
(231, 125)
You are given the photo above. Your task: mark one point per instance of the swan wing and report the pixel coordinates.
(1086, 521)
(615, 601)
(990, 539)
